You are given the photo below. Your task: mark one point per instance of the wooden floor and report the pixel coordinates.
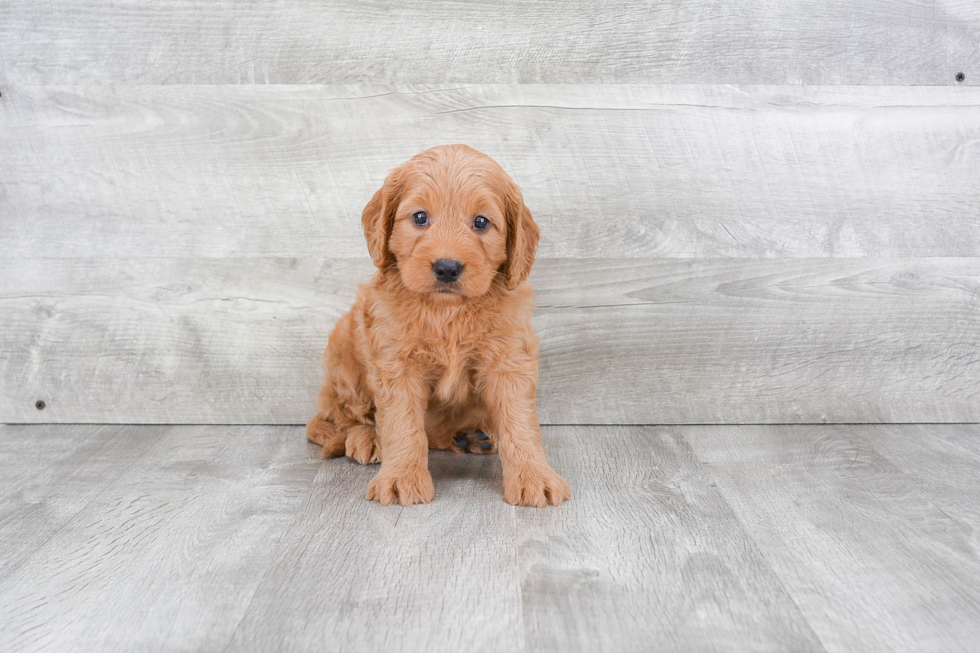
(227, 538)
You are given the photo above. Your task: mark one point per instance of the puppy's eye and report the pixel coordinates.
(420, 219)
(480, 223)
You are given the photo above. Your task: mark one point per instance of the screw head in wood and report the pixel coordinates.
(39, 404)
(960, 77)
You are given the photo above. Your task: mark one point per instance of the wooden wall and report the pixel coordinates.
(749, 213)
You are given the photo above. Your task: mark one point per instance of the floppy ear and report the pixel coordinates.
(378, 218)
(522, 239)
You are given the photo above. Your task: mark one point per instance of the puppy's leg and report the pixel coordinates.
(345, 423)
(400, 415)
(528, 478)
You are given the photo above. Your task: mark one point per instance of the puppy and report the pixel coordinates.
(438, 349)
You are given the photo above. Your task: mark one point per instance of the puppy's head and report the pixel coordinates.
(450, 221)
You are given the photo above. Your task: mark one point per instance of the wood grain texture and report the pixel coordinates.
(842, 525)
(720, 538)
(355, 576)
(673, 341)
(287, 41)
(170, 546)
(944, 461)
(634, 171)
(665, 562)
(52, 474)
(193, 550)
(468, 572)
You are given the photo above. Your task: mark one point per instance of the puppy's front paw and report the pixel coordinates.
(536, 486)
(404, 488)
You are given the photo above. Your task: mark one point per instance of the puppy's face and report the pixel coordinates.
(450, 221)
(450, 231)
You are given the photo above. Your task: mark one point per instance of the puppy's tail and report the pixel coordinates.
(322, 431)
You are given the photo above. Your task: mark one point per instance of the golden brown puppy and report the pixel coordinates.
(438, 349)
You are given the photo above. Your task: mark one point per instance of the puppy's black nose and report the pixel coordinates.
(447, 270)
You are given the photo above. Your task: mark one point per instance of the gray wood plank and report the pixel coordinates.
(843, 526)
(663, 563)
(609, 170)
(197, 338)
(352, 575)
(49, 474)
(672, 341)
(710, 538)
(469, 572)
(944, 461)
(785, 341)
(166, 555)
(831, 42)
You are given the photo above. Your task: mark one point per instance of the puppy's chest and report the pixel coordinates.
(452, 373)
(449, 348)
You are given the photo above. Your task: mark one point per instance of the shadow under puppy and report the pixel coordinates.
(438, 349)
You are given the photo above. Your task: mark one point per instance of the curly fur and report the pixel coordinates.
(415, 362)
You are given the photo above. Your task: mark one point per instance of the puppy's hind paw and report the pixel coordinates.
(362, 445)
(473, 440)
(320, 430)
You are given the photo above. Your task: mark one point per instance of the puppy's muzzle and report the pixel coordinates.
(447, 270)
